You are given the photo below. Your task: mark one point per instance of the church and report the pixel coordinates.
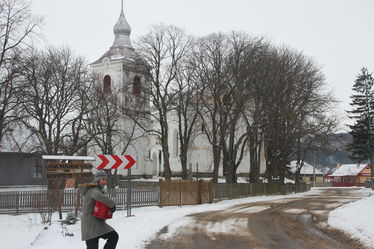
(121, 70)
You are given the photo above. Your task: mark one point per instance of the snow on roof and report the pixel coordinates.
(349, 170)
(54, 157)
(307, 169)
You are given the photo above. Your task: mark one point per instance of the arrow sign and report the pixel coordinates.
(114, 162)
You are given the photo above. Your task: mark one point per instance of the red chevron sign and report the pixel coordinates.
(114, 162)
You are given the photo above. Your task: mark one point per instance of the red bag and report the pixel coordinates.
(102, 211)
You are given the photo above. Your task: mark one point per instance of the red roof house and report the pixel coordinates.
(351, 175)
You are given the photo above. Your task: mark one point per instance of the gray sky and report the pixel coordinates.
(338, 34)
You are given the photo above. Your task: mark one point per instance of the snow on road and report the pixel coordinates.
(26, 231)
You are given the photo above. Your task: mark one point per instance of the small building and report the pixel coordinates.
(347, 175)
(307, 172)
(17, 169)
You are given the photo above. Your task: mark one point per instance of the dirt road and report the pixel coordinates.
(292, 223)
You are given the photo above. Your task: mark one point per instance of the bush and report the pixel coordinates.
(71, 219)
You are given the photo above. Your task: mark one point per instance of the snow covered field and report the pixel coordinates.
(26, 232)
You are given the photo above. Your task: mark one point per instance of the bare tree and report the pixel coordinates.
(108, 124)
(210, 55)
(52, 100)
(297, 95)
(187, 105)
(163, 48)
(17, 27)
(224, 65)
(315, 135)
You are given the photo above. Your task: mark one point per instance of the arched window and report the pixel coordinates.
(107, 88)
(136, 87)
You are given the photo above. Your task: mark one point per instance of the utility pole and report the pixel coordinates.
(314, 170)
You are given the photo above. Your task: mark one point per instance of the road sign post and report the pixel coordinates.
(128, 203)
(116, 162)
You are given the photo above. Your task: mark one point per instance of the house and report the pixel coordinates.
(347, 175)
(307, 172)
(21, 169)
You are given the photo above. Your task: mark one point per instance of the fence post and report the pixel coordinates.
(199, 187)
(160, 199)
(17, 203)
(211, 192)
(180, 192)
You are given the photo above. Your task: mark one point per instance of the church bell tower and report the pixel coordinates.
(120, 70)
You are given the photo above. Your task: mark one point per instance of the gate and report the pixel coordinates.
(185, 192)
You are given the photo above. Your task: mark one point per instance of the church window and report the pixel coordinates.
(107, 88)
(137, 87)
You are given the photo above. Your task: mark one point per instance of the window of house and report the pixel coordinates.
(107, 88)
(37, 168)
(137, 87)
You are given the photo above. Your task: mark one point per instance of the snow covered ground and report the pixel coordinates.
(26, 231)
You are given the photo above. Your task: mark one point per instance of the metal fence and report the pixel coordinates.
(37, 200)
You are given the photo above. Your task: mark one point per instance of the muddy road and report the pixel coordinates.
(292, 223)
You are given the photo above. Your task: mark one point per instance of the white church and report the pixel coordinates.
(120, 68)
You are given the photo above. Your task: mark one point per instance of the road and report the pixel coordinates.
(292, 223)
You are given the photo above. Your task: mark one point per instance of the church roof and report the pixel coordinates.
(122, 47)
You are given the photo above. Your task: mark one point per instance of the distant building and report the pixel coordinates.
(347, 175)
(307, 172)
(21, 169)
(121, 68)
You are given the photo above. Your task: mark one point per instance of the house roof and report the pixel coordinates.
(307, 169)
(349, 170)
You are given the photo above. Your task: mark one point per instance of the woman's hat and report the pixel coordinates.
(100, 174)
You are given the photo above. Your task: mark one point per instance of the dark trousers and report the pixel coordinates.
(112, 239)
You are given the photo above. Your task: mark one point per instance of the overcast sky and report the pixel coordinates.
(338, 34)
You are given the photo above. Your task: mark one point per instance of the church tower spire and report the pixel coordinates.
(122, 31)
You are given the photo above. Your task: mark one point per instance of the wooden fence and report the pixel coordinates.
(169, 193)
(237, 190)
(38, 200)
(185, 192)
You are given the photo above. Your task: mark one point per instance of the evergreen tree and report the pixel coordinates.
(362, 130)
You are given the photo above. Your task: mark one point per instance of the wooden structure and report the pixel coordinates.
(65, 171)
(185, 192)
(69, 168)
